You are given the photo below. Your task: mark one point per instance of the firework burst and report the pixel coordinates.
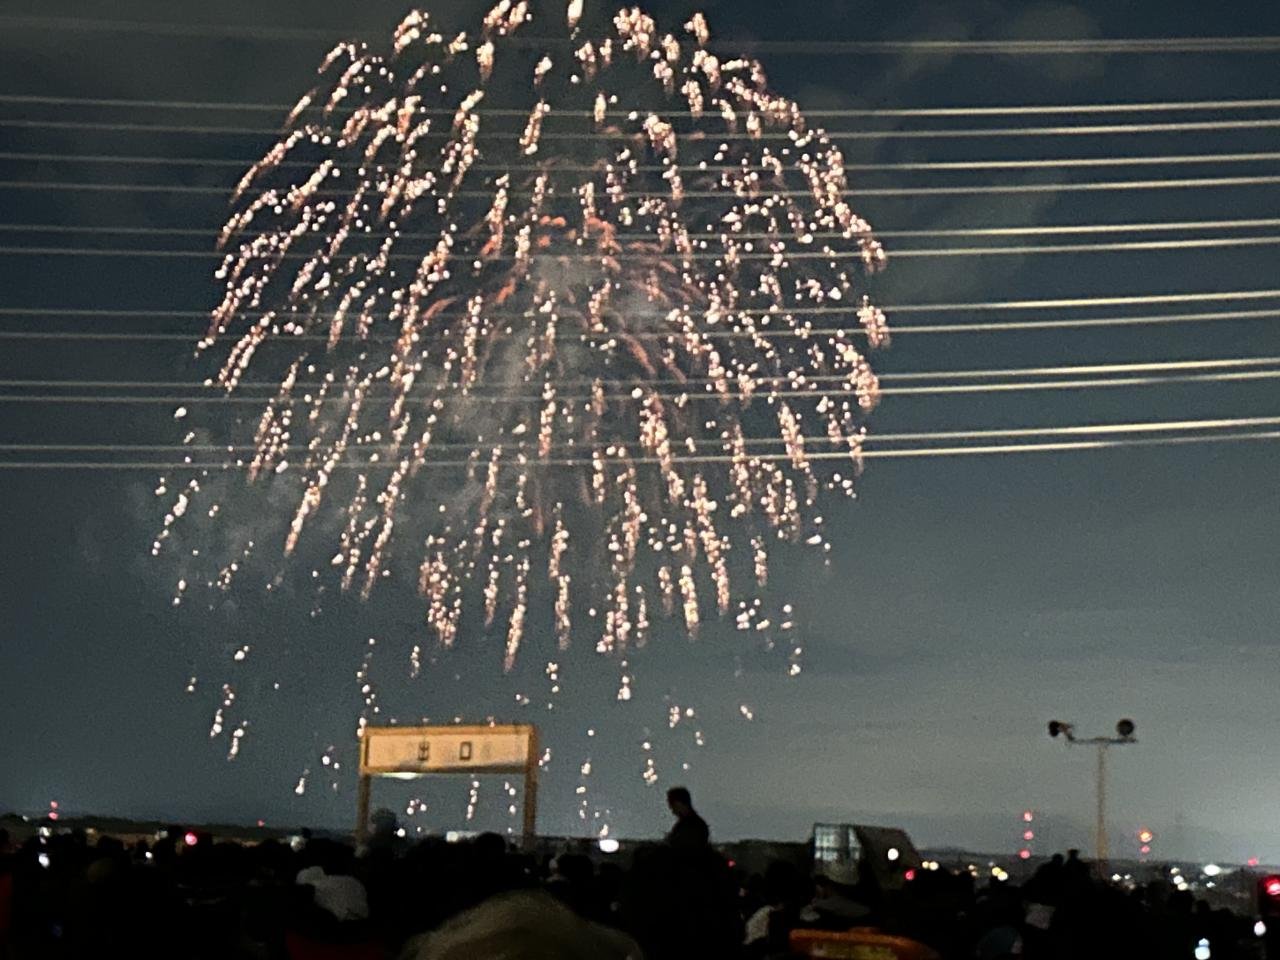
(535, 321)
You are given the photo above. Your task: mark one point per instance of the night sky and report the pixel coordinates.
(968, 600)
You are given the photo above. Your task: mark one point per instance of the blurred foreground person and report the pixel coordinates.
(523, 926)
(837, 901)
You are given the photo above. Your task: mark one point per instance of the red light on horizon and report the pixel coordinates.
(1027, 816)
(1028, 835)
(1024, 854)
(190, 838)
(1253, 861)
(1271, 886)
(910, 875)
(53, 804)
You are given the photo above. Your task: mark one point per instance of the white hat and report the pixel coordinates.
(843, 872)
(342, 896)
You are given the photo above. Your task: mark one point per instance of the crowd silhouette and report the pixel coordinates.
(67, 896)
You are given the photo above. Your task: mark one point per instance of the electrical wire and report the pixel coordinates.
(1029, 326)
(892, 454)
(1004, 47)
(1093, 130)
(916, 166)
(1189, 243)
(697, 396)
(959, 190)
(1015, 231)
(1071, 370)
(1073, 430)
(1165, 106)
(900, 308)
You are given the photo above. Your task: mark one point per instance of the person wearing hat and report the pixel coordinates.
(835, 905)
(342, 897)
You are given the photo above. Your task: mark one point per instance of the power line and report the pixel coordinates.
(959, 451)
(920, 166)
(1016, 231)
(1073, 370)
(1029, 326)
(938, 307)
(1196, 243)
(698, 396)
(1007, 47)
(1121, 129)
(1069, 47)
(964, 190)
(1166, 106)
(1072, 302)
(1075, 430)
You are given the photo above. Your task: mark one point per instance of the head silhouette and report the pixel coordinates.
(679, 800)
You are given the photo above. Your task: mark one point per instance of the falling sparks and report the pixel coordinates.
(650, 771)
(237, 737)
(583, 354)
(553, 680)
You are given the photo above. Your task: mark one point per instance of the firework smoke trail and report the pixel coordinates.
(537, 326)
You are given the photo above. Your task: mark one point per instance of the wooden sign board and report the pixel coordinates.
(426, 751)
(447, 749)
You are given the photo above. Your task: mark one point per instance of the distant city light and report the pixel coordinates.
(1212, 870)
(1259, 929)
(609, 845)
(1202, 950)
(43, 859)
(893, 854)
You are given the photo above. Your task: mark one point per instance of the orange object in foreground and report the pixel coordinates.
(860, 944)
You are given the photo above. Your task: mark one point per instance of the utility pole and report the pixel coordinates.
(1124, 736)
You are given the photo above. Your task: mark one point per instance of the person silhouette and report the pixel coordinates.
(690, 831)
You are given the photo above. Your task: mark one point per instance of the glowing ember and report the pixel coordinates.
(539, 330)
